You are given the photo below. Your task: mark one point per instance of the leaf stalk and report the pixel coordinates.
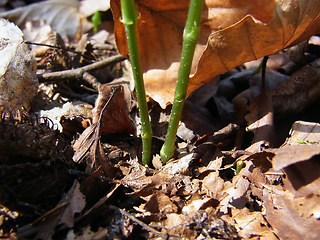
(130, 20)
(190, 38)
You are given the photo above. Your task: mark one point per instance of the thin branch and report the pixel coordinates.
(53, 46)
(78, 72)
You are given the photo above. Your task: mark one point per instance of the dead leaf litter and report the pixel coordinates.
(247, 159)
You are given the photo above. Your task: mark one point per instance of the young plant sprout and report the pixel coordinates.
(96, 20)
(129, 20)
(190, 38)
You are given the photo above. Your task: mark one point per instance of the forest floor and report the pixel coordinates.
(246, 166)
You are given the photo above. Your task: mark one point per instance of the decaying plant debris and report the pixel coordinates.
(246, 165)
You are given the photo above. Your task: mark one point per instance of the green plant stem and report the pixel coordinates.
(190, 38)
(130, 19)
(96, 20)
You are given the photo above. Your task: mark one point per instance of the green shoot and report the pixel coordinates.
(239, 166)
(190, 38)
(305, 142)
(96, 20)
(129, 20)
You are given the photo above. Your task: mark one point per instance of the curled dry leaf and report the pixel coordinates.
(235, 193)
(109, 116)
(260, 121)
(18, 80)
(232, 33)
(195, 206)
(292, 154)
(302, 145)
(299, 159)
(112, 111)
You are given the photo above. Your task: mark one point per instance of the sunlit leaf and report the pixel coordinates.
(232, 32)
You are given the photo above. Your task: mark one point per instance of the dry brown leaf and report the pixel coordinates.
(301, 89)
(62, 16)
(252, 224)
(291, 154)
(287, 219)
(135, 176)
(301, 166)
(86, 140)
(196, 205)
(234, 195)
(261, 160)
(260, 120)
(291, 216)
(307, 132)
(303, 178)
(177, 222)
(110, 116)
(45, 225)
(160, 203)
(111, 110)
(290, 210)
(201, 224)
(76, 203)
(232, 33)
(173, 177)
(214, 184)
(18, 80)
(299, 159)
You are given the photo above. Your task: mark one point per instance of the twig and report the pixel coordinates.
(91, 80)
(78, 72)
(55, 47)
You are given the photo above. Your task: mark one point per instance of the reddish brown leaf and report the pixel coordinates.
(111, 111)
(232, 33)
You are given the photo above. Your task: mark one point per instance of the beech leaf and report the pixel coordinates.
(232, 33)
(18, 80)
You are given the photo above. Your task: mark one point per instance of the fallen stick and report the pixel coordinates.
(78, 72)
